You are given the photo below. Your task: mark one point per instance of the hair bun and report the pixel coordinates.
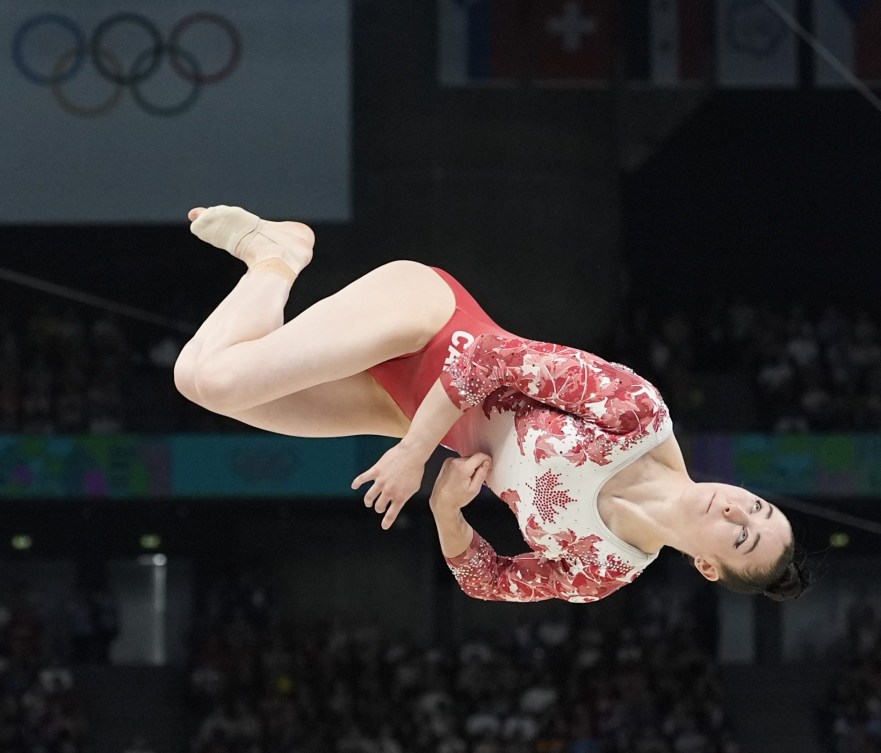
(795, 581)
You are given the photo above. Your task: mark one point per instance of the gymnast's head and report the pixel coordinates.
(743, 542)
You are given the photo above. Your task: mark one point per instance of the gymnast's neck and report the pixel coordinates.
(644, 503)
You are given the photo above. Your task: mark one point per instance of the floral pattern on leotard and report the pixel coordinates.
(506, 373)
(585, 574)
(511, 498)
(565, 404)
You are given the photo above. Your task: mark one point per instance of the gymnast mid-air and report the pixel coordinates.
(581, 449)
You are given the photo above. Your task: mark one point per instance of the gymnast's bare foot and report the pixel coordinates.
(251, 239)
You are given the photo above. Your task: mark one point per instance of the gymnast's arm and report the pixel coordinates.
(483, 574)
(565, 378)
(397, 475)
(457, 484)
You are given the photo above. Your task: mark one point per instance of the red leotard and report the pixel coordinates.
(409, 378)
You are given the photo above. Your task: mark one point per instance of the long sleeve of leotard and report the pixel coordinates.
(571, 380)
(483, 574)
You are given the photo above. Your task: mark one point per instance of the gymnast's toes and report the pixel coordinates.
(251, 239)
(223, 226)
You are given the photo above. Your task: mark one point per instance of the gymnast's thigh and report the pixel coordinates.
(350, 406)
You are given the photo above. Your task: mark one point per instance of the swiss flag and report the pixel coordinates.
(552, 39)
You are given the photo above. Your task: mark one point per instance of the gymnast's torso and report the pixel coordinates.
(558, 424)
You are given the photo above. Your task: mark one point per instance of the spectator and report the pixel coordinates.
(854, 721)
(533, 688)
(77, 371)
(39, 710)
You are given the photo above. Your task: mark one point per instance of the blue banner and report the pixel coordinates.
(808, 465)
(84, 467)
(184, 465)
(268, 465)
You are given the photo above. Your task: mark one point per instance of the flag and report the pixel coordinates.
(484, 41)
(668, 41)
(851, 31)
(754, 46)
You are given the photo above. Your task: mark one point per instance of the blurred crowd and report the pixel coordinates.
(752, 367)
(736, 367)
(64, 373)
(854, 708)
(261, 686)
(39, 709)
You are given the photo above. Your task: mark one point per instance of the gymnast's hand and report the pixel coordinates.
(459, 482)
(396, 477)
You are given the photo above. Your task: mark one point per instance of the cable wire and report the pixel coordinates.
(820, 49)
(132, 312)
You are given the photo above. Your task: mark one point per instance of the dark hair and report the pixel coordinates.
(785, 580)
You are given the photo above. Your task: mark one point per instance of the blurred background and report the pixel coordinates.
(685, 186)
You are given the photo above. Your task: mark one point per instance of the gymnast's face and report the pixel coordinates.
(736, 529)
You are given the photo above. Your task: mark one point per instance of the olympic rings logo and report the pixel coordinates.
(129, 68)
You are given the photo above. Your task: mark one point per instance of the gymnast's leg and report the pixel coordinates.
(244, 363)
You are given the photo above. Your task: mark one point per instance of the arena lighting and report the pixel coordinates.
(151, 541)
(22, 541)
(152, 560)
(839, 540)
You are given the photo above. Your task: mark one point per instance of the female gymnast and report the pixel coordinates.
(582, 450)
